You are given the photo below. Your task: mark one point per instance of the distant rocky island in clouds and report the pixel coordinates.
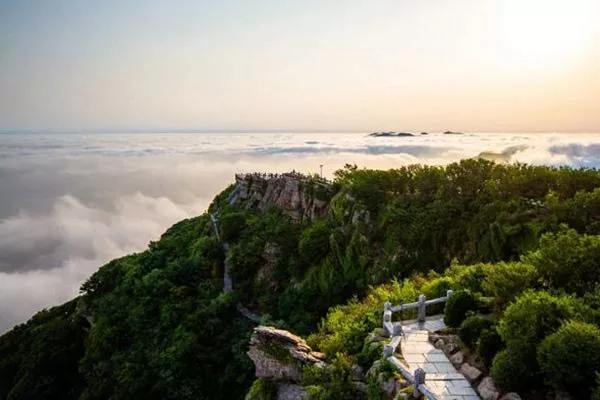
(406, 134)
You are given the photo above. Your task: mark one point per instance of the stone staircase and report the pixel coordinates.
(428, 369)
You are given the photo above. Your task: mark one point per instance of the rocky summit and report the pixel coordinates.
(299, 196)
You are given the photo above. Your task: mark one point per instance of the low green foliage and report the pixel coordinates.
(527, 321)
(262, 389)
(468, 277)
(471, 328)
(488, 345)
(568, 260)
(512, 373)
(332, 382)
(345, 327)
(570, 358)
(458, 306)
(505, 281)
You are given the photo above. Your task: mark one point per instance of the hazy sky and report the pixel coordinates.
(479, 65)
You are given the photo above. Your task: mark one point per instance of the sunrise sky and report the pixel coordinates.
(472, 65)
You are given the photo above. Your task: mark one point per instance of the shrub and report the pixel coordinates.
(313, 246)
(468, 277)
(505, 281)
(528, 320)
(568, 260)
(458, 306)
(489, 344)
(533, 316)
(262, 390)
(471, 329)
(231, 226)
(437, 287)
(570, 357)
(510, 372)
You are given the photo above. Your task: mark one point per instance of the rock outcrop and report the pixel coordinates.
(487, 390)
(279, 355)
(300, 197)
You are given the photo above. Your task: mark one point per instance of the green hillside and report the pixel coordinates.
(521, 242)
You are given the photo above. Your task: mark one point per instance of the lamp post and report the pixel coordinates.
(321, 166)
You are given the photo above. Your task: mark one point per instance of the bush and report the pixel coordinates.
(313, 246)
(568, 260)
(489, 344)
(468, 277)
(528, 320)
(471, 329)
(437, 287)
(505, 281)
(510, 372)
(458, 306)
(231, 226)
(570, 357)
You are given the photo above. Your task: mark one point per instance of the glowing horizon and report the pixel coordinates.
(467, 65)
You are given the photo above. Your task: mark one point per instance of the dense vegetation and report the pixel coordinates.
(528, 237)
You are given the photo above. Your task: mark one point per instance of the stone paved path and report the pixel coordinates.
(432, 324)
(441, 376)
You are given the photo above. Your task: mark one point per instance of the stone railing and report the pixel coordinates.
(293, 174)
(417, 380)
(420, 305)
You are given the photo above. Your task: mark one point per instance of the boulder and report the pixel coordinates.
(450, 348)
(387, 384)
(451, 344)
(511, 396)
(457, 358)
(286, 391)
(374, 370)
(433, 337)
(358, 374)
(470, 372)
(560, 395)
(373, 338)
(280, 355)
(438, 344)
(487, 390)
(376, 345)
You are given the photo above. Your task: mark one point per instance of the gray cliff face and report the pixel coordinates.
(300, 197)
(279, 356)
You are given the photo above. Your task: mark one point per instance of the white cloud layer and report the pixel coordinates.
(70, 203)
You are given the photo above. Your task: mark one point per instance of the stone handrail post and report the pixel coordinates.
(422, 306)
(387, 318)
(419, 380)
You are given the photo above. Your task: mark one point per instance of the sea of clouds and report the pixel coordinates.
(71, 202)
